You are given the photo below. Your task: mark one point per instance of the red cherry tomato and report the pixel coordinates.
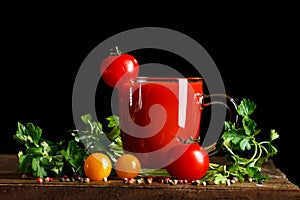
(119, 67)
(40, 180)
(187, 162)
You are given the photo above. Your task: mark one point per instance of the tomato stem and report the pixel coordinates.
(190, 140)
(115, 52)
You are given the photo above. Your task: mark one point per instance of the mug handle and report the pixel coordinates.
(211, 149)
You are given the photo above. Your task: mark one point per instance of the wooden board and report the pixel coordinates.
(13, 186)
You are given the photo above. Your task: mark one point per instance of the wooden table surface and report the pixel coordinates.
(13, 186)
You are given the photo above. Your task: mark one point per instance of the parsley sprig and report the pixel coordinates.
(244, 154)
(96, 139)
(43, 157)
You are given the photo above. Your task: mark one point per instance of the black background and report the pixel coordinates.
(255, 50)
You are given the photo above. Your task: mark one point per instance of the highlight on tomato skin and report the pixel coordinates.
(188, 162)
(128, 166)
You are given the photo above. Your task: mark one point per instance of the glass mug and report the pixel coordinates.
(155, 112)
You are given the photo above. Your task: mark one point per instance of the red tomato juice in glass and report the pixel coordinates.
(155, 112)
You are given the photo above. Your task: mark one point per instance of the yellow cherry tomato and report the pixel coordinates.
(97, 166)
(128, 166)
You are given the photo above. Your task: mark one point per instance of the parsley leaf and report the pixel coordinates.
(96, 140)
(246, 108)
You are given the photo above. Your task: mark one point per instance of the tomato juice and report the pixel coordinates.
(155, 112)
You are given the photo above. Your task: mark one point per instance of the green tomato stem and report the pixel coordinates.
(115, 52)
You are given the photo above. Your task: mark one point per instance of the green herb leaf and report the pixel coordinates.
(249, 125)
(246, 107)
(220, 179)
(273, 135)
(245, 144)
(96, 140)
(28, 135)
(114, 134)
(75, 156)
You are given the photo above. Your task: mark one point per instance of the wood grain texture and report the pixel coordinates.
(13, 186)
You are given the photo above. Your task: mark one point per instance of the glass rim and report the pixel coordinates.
(165, 79)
